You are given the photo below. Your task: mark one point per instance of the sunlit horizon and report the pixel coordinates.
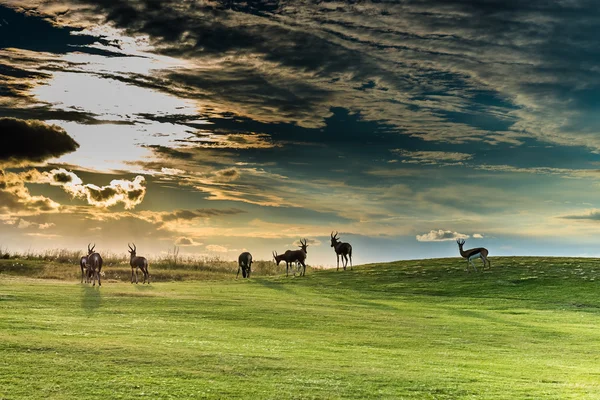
(222, 127)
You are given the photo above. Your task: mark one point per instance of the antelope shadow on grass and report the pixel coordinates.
(91, 298)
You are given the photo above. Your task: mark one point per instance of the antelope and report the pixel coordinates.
(343, 249)
(281, 257)
(138, 262)
(293, 263)
(291, 256)
(244, 264)
(94, 265)
(471, 254)
(83, 264)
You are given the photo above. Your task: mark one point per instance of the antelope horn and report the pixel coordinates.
(128, 245)
(93, 247)
(89, 247)
(134, 247)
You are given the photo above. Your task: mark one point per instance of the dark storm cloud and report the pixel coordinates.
(171, 152)
(430, 65)
(227, 175)
(47, 112)
(21, 73)
(102, 194)
(29, 140)
(240, 85)
(420, 76)
(341, 129)
(24, 30)
(419, 65)
(14, 82)
(62, 178)
(200, 28)
(7, 70)
(291, 69)
(189, 215)
(590, 216)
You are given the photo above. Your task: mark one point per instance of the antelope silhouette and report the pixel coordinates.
(291, 256)
(94, 265)
(138, 263)
(343, 249)
(244, 264)
(84, 269)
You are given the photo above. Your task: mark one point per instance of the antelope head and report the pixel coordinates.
(334, 239)
(460, 242)
(303, 245)
(91, 251)
(277, 258)
(132, 251)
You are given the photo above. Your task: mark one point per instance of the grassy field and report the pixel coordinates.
(526, 329)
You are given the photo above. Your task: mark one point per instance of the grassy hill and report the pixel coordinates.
(525, 329)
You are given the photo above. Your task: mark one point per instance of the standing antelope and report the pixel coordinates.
(245, 264)
(138, 262)
(94, 265)
(343, 249)
(84, 270)
(291, 256)
(471, 254)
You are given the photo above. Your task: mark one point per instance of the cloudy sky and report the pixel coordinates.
(219, 126)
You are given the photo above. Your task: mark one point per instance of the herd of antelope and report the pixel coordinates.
(299, 256)
(91, 264)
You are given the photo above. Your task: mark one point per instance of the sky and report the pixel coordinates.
(228, 126)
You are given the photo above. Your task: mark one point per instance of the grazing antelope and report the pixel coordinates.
(138, 262)
(94, 265)
(84, 270)
(471, 254)
(291, 256)
(281, 257)
(343, 249)
(244, 264)
(290, 261)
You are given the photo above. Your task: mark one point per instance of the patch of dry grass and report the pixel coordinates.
(64, 265)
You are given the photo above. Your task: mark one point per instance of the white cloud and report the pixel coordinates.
(172, 171)
(186, 241)
(215, 248)
(119, 191)
(24, 224)
(441, 236)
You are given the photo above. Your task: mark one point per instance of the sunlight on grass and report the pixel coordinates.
(412, 329)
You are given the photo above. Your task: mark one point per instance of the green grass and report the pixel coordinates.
(526, 329)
